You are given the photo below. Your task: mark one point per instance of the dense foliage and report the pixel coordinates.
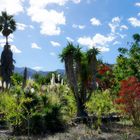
(129, 98)
(90, 89)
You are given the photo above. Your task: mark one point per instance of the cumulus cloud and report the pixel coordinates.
(14, 49)
(114, 24)
(55, 44)
(134, 22)
(49, 19)
(35, 46)
(13, 7)
(78, 26)
(70, 39)
(99, 41)
(95, 22)
(137, 4)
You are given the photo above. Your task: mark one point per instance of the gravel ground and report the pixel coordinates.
(82, 132)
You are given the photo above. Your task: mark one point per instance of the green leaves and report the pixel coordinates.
(100, 103)
(128, 62)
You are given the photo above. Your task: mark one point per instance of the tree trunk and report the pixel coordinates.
(72, 79)
(92, 69)
(6, 39)
(81, 110)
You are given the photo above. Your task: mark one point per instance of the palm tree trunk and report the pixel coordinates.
(6, 39)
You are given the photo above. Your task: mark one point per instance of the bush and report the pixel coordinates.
(30, 111)
(129, 98)
(101, 103)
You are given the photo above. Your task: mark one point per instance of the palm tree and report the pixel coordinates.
(78, 73)
(7, 25)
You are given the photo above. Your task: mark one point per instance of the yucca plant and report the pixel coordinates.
(80, 70)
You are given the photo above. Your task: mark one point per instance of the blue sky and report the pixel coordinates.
(45, 26)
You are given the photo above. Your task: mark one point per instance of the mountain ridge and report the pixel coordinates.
(31, 72)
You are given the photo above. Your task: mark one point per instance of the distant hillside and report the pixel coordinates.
(31, 72)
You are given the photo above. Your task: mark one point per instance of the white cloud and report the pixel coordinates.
(52, 54)
(55, 44)
(103, 49)
(138, 14)
(116, 20)
(116, 43)
(12, 6)
(99, 41)
(134, 22)
(37, 68)
(137, 4)
(35, 46)
(95, 22)
(114, 24)
(70, 39)
(14, 49)
(49, 19)
(21, 26)
(123, 27)
(78, 26)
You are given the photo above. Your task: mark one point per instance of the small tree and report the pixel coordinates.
(128, 62)
(81, 71)
(129, 98)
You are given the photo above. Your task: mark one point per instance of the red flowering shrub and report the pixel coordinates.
(105, 77)
(103, 69)
(129, 98)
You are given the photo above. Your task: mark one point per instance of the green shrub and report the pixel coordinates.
(101, 103)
